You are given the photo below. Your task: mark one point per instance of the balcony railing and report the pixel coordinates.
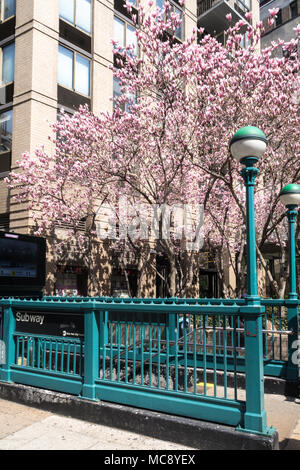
(205, 5)
(238, 7)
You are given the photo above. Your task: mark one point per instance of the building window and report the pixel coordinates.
(294, 10)
(5, 131)
(73, 71)
(77, 12)
(7, 59)
(279, 18)
(7, 9)
(245, 42)
(221, 38)
(120, 7)
(5, 142)
(173, 9)
(129, 98)
(124, 34)
(116, 90)
(243, 6)
(4, 222)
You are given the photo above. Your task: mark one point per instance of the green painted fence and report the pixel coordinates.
(180, 356)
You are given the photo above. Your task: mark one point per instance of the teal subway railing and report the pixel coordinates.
(180, 356)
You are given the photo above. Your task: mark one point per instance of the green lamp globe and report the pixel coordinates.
(248, 142)
(290, 195)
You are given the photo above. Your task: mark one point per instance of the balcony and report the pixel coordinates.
(212, 14)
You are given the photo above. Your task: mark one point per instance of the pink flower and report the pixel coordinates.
(297, 29)
(229, 17)
(273, 11)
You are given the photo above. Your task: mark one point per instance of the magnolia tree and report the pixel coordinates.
(165, 149)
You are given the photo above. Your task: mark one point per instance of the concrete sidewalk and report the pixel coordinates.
(27, 428)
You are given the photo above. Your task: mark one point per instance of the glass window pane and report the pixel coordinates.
(160, 4)
(8, 63)
(5, 131)
(131, 100)
(117, 88)
(131, 37)
(117, 94)
(9, 9)
(66, 10)
(82, 75)
(178, 32)
(83, 15)
(65, 67)
(119, 28)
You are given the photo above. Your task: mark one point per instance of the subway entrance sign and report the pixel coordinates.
(49, 323)
(22, 265)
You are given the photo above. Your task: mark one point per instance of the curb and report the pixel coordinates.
(189, 432)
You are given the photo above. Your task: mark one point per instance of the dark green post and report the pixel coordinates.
(91, 354)
(9, 325)
(290, 197)
(103, 327)
(246, 146)
(255, 417)
(172, 325)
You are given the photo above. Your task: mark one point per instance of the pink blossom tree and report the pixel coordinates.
(167, 144)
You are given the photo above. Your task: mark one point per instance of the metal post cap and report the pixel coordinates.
(290, 194)
(248, 144)
(291, 188)
(249, 132)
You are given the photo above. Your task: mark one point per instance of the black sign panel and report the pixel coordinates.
(22, 264)
(1, 324)
(52, 324)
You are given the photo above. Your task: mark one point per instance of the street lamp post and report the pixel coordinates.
(247, 146)
(290, 197)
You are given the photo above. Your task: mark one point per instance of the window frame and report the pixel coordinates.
(278, 20)
(293, 6)
(6, 109)
(75, 53)
(2, 19)
(3, 111)
(124, 107)
(175, 6)
(89, 33)
(242, 5)
(129, 23)
(3, 46)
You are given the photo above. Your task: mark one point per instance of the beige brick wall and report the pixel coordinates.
(255, 11)
(4, 198)
(35, 87)
(190, 21)
(102, 55)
